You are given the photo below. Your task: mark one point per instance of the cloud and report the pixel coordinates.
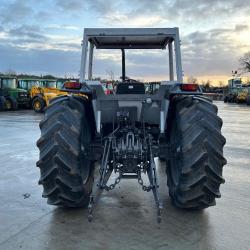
(214, 34)
(62, 27)
(166, 13)
(103, 7)
(70, 5)
(39, 61)
(124, 20)
(15, 12)
(241, 27)
(41, 16)
(67, 46)
(33, 37)
(212, 52)
(116, 13)
(24, 36)
(28, 31)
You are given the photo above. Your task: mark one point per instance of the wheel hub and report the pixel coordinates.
(8, 104)
(37, 105)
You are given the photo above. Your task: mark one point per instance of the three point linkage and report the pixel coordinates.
(106, 169)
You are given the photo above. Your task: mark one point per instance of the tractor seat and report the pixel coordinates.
(130, 88)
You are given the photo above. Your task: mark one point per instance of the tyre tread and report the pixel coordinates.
(60, 145)
(201, 159)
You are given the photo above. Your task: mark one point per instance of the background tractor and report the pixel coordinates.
(152, 87)
(10, 95)
(41, 91)
(125, 131)
(236, 93)
(242, 95)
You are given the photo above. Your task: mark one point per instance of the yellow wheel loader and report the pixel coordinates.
(41, 96)
(41, 91)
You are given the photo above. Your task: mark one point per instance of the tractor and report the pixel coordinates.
(242, 95)
(236, 92)
(152, 87)
(86, 139)
(10, 95)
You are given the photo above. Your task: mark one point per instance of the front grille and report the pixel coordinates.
(22, 95)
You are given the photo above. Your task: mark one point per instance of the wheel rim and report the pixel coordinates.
(37, 105)
(175, 164)
(87, 165)
(8, 104)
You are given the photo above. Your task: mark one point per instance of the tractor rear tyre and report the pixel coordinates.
(195, 175)
(66, 174)
(10, 103)
(38, 104)
(2, 103)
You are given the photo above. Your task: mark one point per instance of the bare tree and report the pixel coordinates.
(192, 79)
(221, 84)
(248, 81)
(206, 85)
(11, 72)
(110, 73)
(245, 63)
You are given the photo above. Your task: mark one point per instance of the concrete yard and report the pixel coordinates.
(125, 218)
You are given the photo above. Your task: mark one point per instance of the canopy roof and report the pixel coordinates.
(131, 38)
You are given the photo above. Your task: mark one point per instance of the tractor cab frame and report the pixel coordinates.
(131, 38)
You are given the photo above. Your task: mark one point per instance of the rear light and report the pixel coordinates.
(107, 91)
(189, 87)
(72, 85)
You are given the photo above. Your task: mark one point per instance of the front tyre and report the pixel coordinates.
(66, 174)
(195, 175)
(38, 104)
(10, 103)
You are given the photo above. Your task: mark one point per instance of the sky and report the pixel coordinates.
(44, 37)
